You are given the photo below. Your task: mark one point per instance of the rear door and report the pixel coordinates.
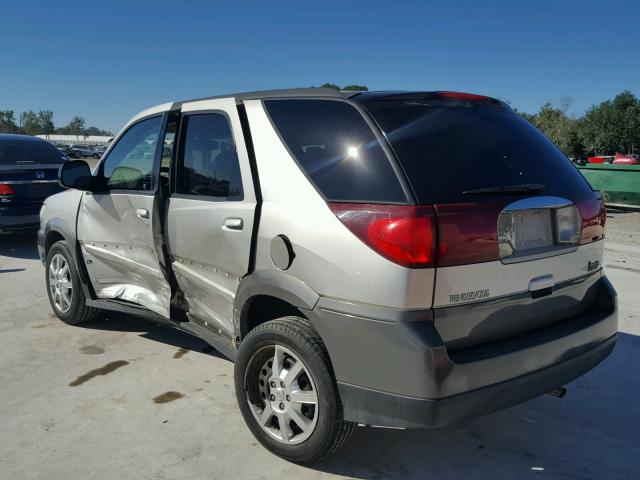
(211, 211)
(119, 228)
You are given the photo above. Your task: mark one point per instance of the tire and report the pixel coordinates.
(69, 305)
(322, 430)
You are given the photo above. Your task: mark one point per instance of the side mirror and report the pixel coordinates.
(75, 174)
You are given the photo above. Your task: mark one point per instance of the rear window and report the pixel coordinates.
(335, 147)
(23, 152)
(446, 151)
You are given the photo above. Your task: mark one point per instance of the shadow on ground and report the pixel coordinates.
(21, 245)
(152, 331)
(590, 434)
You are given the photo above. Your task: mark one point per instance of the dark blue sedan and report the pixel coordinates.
(28, 174)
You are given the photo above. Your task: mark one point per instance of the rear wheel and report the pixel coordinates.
(287, 393)
(64, 288)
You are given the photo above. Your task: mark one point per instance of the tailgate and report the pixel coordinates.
(549, 259)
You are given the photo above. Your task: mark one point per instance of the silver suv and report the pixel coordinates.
(398, 259)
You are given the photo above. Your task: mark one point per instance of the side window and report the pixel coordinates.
(209, 162)
(337, 150)
(129, 165)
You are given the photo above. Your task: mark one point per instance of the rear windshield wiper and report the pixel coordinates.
(507, 189)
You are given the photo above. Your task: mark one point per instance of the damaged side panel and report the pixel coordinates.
(119, 250)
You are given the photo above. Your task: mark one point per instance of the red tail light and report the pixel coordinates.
(468, 233)
(594, 216)
(6, 189)
(464, 96)
(404, 234)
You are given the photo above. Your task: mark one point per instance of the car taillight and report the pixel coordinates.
(568, 225)
(463, 96)
(594, 216)
(6, 189)
(467, 233)
(405, 234)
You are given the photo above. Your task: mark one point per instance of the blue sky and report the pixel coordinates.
(108, 60)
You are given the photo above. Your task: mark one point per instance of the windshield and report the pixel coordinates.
(23, 152)
(446, 151)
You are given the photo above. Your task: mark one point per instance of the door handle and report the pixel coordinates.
(540, 283)
(232, 223)
(142, 213)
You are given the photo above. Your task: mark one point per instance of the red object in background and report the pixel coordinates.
(596, 159)
(621, 159)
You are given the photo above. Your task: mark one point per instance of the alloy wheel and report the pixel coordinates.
(60, 285)
(285, 399)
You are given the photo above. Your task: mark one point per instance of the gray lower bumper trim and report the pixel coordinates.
(373, 407)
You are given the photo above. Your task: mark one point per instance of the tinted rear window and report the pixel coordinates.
(23, 152)
(337, 150)
(448, 150)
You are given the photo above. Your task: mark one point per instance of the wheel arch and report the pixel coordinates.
(57, 229)
(273, 294)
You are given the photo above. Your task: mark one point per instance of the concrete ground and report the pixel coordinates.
(123, 398)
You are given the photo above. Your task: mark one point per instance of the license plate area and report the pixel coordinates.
(527, 233)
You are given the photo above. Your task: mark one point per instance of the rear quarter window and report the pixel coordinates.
(337, 150)
(446, 151)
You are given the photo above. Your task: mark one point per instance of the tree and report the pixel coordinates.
(356, 88)
(97, 131)
(45, 122)
(558, 126)
(29, 122)
(76, 126)
(613, 126)
(8, 122)
(330, 85)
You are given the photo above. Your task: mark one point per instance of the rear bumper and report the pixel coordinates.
(394, 369)
(385, 409)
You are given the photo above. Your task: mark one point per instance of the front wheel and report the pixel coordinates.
(64, 288)
(287, 393)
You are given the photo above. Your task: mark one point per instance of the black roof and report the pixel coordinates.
(331, 93)
(281, 93)
(22, 138)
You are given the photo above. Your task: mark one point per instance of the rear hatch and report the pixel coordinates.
(28, 171)
(517, 225)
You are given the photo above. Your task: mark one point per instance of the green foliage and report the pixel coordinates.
(29, 122)
(613, 126)
(45, 121)
(32, 123)
(356, 88)
(75, 127)
(8, 122)
(330, 85)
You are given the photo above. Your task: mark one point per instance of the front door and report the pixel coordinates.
(118, 226)
(211, 211)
